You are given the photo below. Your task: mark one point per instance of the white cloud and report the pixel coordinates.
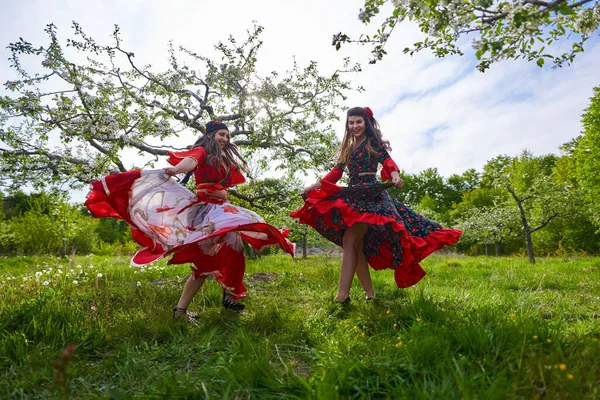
(436, 112)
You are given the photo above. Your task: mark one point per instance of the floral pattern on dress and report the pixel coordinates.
(393, 228)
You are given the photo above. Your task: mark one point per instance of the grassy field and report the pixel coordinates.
(487, 328)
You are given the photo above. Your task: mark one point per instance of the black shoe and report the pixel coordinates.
(230, 303)
(344, 302)
(183, 313)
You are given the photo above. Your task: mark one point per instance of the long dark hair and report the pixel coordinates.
(215, 155)
(372, 131)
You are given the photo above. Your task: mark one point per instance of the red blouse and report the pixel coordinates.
(362, 161)
(207, 176)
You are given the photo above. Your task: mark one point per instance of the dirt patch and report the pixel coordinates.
(264, 277)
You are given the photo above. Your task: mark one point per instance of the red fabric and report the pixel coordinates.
(226, 264)
(115, 202)
(389, 166)
(334, 175)
(415, 248)
(198, 154)
(208, 177)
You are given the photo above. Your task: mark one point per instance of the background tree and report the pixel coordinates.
(586, 149)
(71, 121)
(499, 30)
(538, 194)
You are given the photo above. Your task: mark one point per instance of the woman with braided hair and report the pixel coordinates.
(202, 228)
(372, 227)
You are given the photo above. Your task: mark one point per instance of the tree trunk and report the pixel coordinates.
(487, 250)
(525, 226)
(63, 252)
(304, 245)
(497, 248)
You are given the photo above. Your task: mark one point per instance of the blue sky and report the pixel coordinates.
(439, 113)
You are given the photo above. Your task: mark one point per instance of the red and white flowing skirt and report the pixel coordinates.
(166, 218)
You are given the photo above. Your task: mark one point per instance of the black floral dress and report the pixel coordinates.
(397, 237)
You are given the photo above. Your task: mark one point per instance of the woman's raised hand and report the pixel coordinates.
(311, 187)
(398, 182)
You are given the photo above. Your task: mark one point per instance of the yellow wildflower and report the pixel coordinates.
(563, 367)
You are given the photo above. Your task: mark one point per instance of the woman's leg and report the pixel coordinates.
(352, 237)
(363, 273)
(190, 289)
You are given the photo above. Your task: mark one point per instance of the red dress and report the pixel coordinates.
(166, 218)
(397, 237)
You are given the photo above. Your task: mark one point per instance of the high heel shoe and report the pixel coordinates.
(344, 302)
(184, 314)
(230, 303)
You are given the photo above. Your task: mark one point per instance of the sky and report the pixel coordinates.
(436, 113)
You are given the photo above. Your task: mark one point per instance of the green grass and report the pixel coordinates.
(474, 328)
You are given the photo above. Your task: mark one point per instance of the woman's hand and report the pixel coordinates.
(186, 165)
(171, 171)
(314, 186)
(397, 181)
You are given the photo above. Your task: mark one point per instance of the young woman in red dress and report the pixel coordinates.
(203, 229)
(372, 227)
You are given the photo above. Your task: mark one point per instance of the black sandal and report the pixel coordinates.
(230, 303)
(344, 302)
(183, 313)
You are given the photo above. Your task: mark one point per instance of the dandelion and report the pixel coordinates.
(511, 315)
(79, 267)
(362, 334)
(569, 376)
(383, 348)
(418, 319)
(139, 283)
(563, 367)
(355, 328)
(398, 345)
(388, 311)
(548, 340)
(395, 325)
(38, 274)
(535, 337)
(99, 275)
(75, 282)
(93, 308)
(293, 364)
(60, 267)
(46, 283)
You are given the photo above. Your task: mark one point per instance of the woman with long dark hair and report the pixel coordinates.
(372, 227)
(203, 228)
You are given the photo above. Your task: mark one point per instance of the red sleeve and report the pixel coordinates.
(389, 166)
(386, 162)
(198, 154)
(236, 176)
(335, 174)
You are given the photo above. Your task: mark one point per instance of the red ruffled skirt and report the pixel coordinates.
(167, 219)
(397, 238)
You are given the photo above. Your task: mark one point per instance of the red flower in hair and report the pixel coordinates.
(369, 112)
